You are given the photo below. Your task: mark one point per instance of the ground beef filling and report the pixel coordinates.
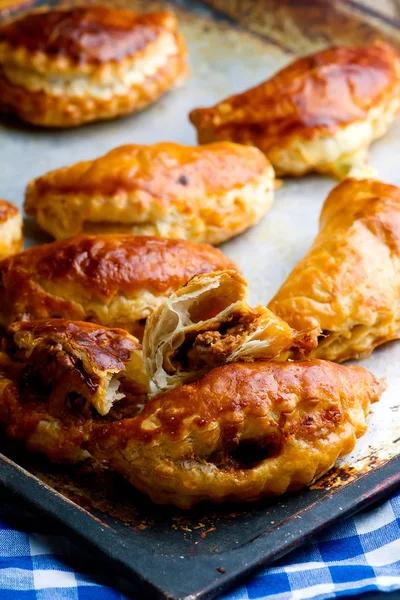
(212, 348)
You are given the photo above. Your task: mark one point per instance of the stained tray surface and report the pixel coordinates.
(146, 541)
(197, 554)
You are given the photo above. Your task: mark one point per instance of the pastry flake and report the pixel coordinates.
(11, 238)
(209, 322)
(320, 113)
(202, 194)
(348, 284)
(65, 68)
(243, 431)
(113, 280)
(60, 378)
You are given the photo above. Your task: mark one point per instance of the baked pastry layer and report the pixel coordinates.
(320, 113)
(241, 432)
(209, 322)
(60, 378)
(348, 284)
(112, 280)
(71, 357)
(11, 237)
(65, 68)
(203, 194)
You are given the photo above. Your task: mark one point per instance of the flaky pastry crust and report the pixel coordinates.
(203, 194)
(29, 422)
(11, 237)
(112, 280)
(348, 284)
(66, 68)
(320, 113)
(209, 322)
(60, 378)
(243, 431)
(79, 358)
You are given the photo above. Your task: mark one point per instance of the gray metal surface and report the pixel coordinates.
(224, 60)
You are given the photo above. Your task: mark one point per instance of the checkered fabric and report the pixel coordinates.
(358, 555)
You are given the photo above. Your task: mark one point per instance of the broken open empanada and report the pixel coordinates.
(209, 322)
(320, 113)
(113, 280)
(348, 284)
(72, 357)
(61, 377)
(243, 431)
(202, 194)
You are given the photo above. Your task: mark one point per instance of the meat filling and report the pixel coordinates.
(209, 349)
(61, 378)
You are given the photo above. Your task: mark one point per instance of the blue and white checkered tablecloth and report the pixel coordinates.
(358, 555)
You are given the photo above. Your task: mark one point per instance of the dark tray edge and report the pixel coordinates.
(202, 579)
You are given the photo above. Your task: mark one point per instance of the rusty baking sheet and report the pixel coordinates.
(213, 546)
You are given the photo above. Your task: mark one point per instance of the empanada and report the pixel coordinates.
(348, 284)
(59, 378)
(203, 194)
(11, 239)
(320, 113)
(66, 68)
(72, 360)
(209, 322)
(112, 280)
(243, 431)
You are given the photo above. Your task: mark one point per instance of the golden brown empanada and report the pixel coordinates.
(66, 68)
(348, 284)
(11, 239)
(59, 378)
(243, 431)
(320, 113)
(112, 280)
(75, 358)
(203, 194)
(209, 322)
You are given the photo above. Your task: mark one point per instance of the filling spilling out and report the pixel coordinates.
(212, 347)
(247, 454)
(59, 380)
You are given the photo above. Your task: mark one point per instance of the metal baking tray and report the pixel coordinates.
(197, 554)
